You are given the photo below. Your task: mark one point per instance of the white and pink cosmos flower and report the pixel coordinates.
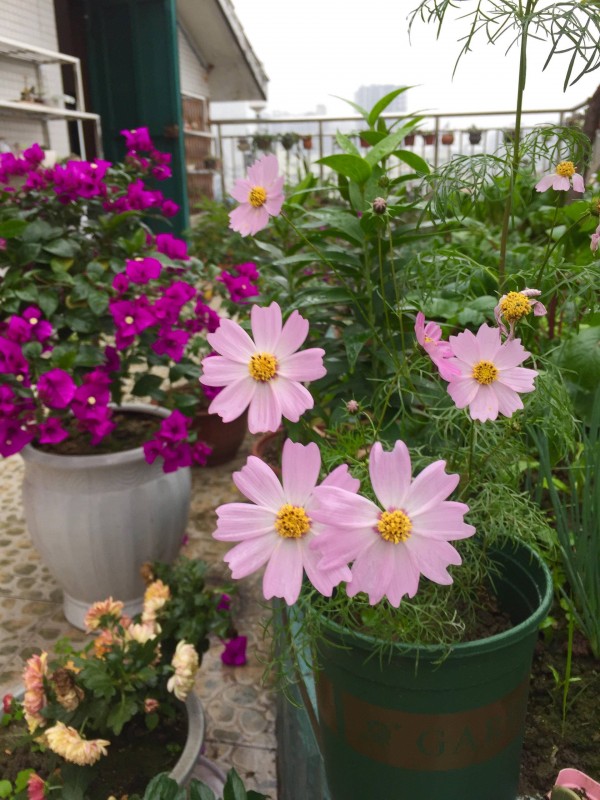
(393, 543)
(516, 305)
(278, 529)
(263, 374)
(595, 240)
(562, 179)
(260, 195)
(429, 336)
(490, 378)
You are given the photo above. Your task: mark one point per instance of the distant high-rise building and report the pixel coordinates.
(367, 96)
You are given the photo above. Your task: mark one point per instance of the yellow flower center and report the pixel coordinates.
(429, 340)
(33, 320)
(292, 522)
(515, 306)
(394, 526)
(566, 169)
(91, 401)
(129, 320)
(263, 366)
(20, 378)
(257, 196)
(485, 372)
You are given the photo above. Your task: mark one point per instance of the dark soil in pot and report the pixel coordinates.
(132, 430)
(550, 747)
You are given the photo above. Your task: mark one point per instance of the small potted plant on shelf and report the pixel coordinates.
(474, 135)
(263, 141)
(103, 719)
(428, 136)
(448, 138)
(307, 141)
(289, 140)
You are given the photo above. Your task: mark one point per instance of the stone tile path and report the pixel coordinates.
(239, 708)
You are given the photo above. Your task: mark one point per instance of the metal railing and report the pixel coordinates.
(313, 137)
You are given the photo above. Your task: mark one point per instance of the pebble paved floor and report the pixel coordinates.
(239, 708)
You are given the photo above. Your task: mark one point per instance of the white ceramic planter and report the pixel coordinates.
(96, 519)
(182, 771)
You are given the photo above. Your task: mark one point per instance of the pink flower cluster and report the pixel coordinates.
(170, 443)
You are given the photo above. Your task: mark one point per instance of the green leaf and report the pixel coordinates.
(353, 167)
(355, 338)
(22, 779)
(5, 788)
(120, 714)
(346, 144)
(252, 795)
(363, 112)
(161, 787)
(580, 356)
(47, 301)
(28, 253)
(200, 791)
(414, 161)
(234, 788)
(88, 356)
(97, 301)
(9, 229)
(41, 231)
(385, 147)
(95, 270)
(29, 295)
(382, 104)
(61, 265)
(64, 248)
(146, 385)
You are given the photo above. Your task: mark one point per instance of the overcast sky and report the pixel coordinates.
(314, 49)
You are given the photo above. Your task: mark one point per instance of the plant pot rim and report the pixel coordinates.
(435, 652)
(35, 456)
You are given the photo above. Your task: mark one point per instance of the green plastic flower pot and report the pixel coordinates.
(420, 725)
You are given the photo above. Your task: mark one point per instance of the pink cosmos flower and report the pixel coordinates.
(559, 180)
(516, 305)
(490, 377)
(595, 240)
(429, 336)
(260, 195)
(263, 375)
(278, 529)
(393, 543)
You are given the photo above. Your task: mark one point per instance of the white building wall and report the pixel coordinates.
(31, 22)
(192, 73)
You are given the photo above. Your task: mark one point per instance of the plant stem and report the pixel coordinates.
(514, 167)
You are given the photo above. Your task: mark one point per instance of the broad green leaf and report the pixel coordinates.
(28, 253)
(47, 301)
(22, 779)
(146, 385)
(81, 320)
(252, 795)
(382, 104)
(88, 356)
(372, 137)
(385, 147)
(5, 788)
(353, 167)
(200, 791)
(414, 161)
(355, 338)
(161, 787)
(234, 788)
(11, 228)
(41, 231)
(29, 295)
(580, 358)
(64, 248)
(59, 265)
(120, 714)
(346, 144)
(96, 270)
(97, 301)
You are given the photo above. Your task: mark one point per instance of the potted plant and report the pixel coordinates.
(409, 139)
(98, 311)
(263, 141)
(365, 603)
(289, 140)
(474, 135)
(307, 141)
(428, 136)
(243, 144)
(210, 162)
(448, 137)
(89, 720)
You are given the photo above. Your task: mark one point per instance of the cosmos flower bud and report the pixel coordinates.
(379, 205)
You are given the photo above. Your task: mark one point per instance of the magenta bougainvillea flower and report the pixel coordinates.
(562, 179)
(13, 362)
(13, 437)
(393, 543)
(264, 374)
(429, 336)
(171, 342)
(260, 195)
(138, 139)
(51, 431)
(490, 379)
(170, 246)
(56, 388)
(278, 529)
(131, 317)
(170, 443)
(240, 287)
(516, 305)
(234, 654)
(143, 270)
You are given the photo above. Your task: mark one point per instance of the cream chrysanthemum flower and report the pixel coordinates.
(34, 699)
(68, 743)
(104, 608)
(185, 662)
(141, 632)
(155, 596)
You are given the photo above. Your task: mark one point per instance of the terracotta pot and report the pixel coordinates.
(363, 142)
(409, 139)
(307, 142)
(225, 438)
(268, 448)
(447, 138)
(429, 138)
